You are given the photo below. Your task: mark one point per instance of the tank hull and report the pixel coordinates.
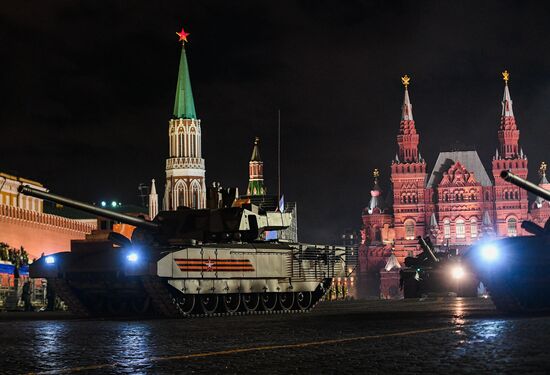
(516, 272)
(98, 279)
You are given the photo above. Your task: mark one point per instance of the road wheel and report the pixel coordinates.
(140, 303)
(186, 303)
(251, 301)
(116, 305)
(232, 302)
(304, 299)
(286, 300)
(269, 301)
(209, 303)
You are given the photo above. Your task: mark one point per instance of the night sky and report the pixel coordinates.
(87, 89)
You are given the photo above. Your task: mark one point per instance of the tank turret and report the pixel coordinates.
(516, 270)
(184, 224)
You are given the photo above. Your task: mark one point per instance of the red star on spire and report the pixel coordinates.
(183, 35)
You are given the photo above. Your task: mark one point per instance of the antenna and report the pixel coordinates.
(279, 155)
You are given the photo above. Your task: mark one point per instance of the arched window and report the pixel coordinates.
(460, 228)
(473, 227)
(505, 195)
(193, 144)
(195, 196)
(447, 228)
(180, 198)
(461, 196)
(409, 229)
(516, 194)
(446, 197)
(512, 227)
(486, 195)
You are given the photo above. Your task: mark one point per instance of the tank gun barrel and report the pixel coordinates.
(127, 219)
(526, 185)
(424, 245)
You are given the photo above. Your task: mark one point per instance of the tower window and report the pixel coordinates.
(446, 228)
(460, 229)
(512, 228)
(409, 230)
(473, 227)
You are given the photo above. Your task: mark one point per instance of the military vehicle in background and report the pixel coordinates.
(189, 263)
(436, 273)
(516, 270)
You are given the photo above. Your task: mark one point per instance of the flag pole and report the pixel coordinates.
(278, 155)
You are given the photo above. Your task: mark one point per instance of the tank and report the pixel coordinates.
(516, 270)
(187, 263)
(436, 273)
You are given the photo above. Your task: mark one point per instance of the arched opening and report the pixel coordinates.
(511, 225)
(409, 229)
(447, 228)
(195, 196)
(460, 228)
(473, 227)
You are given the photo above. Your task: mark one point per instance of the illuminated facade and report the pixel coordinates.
(456, 204)
(185, 167)
(24, 223)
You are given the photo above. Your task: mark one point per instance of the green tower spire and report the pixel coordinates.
(184, 106)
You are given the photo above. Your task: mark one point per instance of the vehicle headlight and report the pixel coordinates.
(457, 272)
(132, 257)
(489, 252)
(50, 259)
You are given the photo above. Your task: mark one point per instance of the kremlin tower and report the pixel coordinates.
(185, 167)
(511, 204)
(408, 177)
(256, 172)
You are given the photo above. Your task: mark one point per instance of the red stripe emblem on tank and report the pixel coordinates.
(214, 265)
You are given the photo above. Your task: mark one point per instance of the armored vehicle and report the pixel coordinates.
(436, 273)
(189, 263)
(516, 270)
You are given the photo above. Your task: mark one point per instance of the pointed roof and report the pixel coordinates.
(376, 200)
(406, 109)
(486, 219)
(507, 110)
(184, 105)
(433, 221)
(392, 263)
(256, 150)
(153, 187)
(469, 159)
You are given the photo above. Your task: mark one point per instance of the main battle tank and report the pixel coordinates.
(189, 263)
(516, 270)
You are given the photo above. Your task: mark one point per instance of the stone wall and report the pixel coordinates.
(38, 232)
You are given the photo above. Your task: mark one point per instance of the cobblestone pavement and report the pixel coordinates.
(433, 336)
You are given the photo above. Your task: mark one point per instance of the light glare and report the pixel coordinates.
(457, 272)
(489, 252)
(50, 259)
(132, 257)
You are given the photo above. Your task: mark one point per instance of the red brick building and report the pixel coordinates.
(456, 204)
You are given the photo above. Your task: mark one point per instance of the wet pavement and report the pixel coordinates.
(432, 336)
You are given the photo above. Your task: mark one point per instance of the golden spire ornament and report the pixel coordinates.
(376, 173)
(405, 80)
(505, 76)
(542, 169)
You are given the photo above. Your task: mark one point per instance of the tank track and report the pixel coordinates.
(64, 291)
(504, 300)
(165, 304)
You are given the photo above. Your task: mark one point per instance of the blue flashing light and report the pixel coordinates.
(132, 257)
(50, 259)
(489, 252)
